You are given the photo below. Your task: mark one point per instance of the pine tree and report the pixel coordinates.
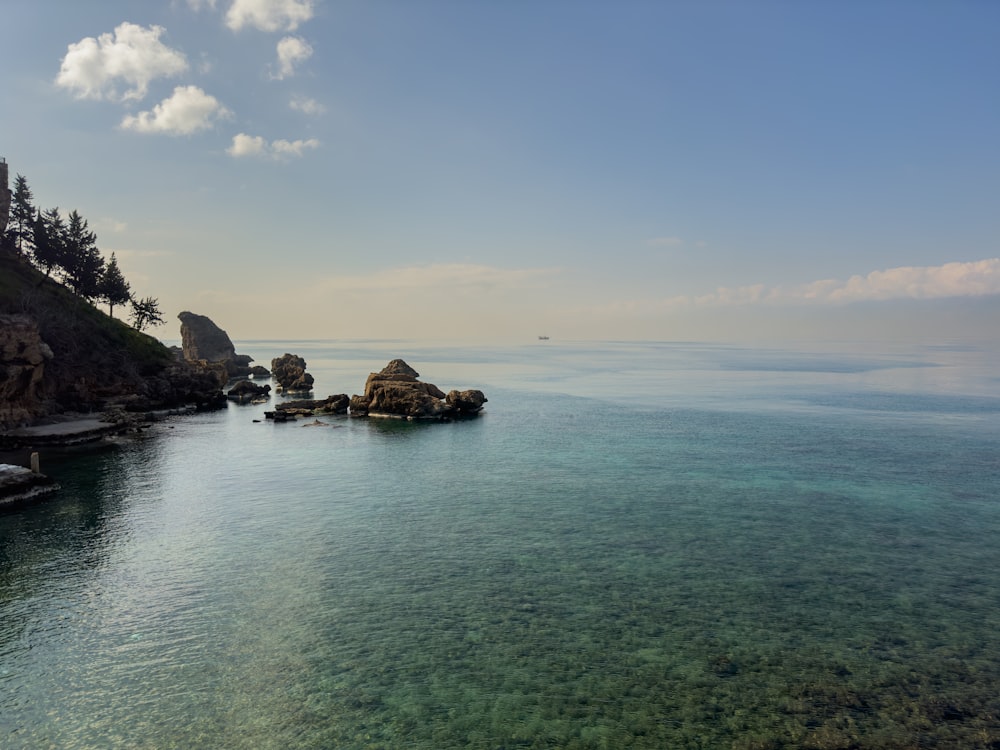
(49, 240)
(20, 228)
(82, 264)
(113, 288)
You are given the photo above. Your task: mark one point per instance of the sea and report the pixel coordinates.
(635, 545)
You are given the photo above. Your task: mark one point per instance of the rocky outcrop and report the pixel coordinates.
(395, 391)
(289, 370)
(23, 357)
(308, 407)
(244, 392)
(202, 341)
(466, 402)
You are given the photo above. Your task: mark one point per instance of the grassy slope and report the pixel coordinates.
(88, 344)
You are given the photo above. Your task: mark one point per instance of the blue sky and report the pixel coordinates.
(497, 170)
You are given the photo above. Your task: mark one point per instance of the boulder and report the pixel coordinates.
(395, 391)
(203, 340)
(289, 371)
(245, 391)
(466, 402)
(330, 405)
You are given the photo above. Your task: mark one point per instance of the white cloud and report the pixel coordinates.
(306, 105)
(199, 4)
(187, 111)
(269, 15)
(971, 279)
(292, 50)
(960, 279)
(254, 145)
(133, 56)
(293, 148)
(247, 145)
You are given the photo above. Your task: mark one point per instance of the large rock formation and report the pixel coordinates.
(289, 370)
(202, 341)
(395, 391)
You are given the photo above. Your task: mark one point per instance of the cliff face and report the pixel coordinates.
(209, 347)
(60, 354)
(203, 339)
(23, 356)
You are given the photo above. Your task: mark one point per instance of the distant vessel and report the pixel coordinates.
(543, 338)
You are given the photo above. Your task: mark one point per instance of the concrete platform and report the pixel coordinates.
(69, 432)
(19, 485)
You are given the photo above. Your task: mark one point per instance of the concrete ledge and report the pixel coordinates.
(19, 485)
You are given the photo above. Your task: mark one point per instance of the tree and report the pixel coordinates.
(82, 262)
(49, 240)
(113, 288)
(146, 312)
(22, 215)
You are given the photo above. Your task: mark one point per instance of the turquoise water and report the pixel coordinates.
(642, 545)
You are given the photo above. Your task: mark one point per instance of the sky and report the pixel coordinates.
(478, 170)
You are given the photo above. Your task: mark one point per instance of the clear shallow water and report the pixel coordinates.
(639, 545)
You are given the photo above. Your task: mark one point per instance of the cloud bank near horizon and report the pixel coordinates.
(956, 279)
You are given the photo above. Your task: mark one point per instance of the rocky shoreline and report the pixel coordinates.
(206, 373)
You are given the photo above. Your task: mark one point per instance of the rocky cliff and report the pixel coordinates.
(203, 342)
(23, 356)
(59, 354)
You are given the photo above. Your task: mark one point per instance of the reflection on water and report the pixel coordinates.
(652, 548)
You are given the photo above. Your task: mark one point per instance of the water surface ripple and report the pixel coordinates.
(638, 545)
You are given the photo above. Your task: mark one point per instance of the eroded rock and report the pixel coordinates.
(202, 341)
(289, 371)
(395, 391)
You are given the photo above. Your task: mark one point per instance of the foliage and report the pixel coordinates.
(146, 312)
(82, 263)
(22, 214)
(49, 232)
(112, 287)
(70, 249)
